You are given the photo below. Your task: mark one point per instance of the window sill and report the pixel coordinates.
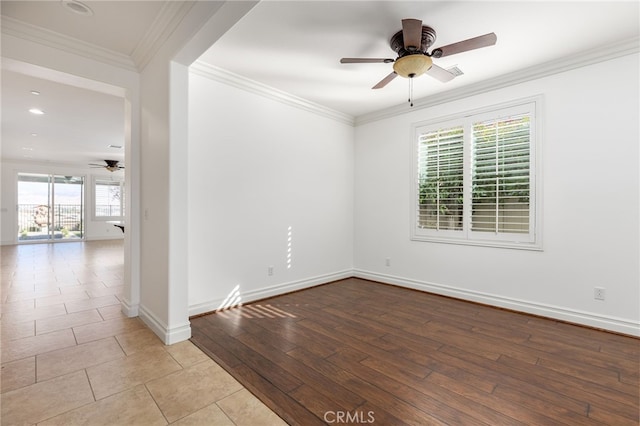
(480, 243)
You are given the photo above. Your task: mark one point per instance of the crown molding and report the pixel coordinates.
(25, 31)
(604, 53)
(160, 30)
(223, 76)
(168, 19)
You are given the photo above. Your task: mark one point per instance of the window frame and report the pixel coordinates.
(527, 241)
(110, 179)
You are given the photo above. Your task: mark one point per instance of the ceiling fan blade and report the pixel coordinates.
(385, 81)
(465, 45)
(412, 34)
(440, 73)
(365, 60)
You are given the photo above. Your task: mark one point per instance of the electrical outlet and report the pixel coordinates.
(387, 261)
(270, 270)
(598, 293)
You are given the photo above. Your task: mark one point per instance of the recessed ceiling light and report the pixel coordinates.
(24, 148)
(34, 134)
(36, 111)
(35, 92)
(77, 7)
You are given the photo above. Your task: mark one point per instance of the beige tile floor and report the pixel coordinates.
(69, 356)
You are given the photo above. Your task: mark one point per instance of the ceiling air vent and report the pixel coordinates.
(455, 70)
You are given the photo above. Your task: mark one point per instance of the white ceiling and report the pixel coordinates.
(77, 126)
(295, 47)
(79, 122)
(115, 25)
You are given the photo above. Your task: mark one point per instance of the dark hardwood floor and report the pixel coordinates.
(355, 351)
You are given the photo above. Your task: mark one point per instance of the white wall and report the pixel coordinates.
(163, 171)
(257, 167)
(94, 229)
(590, 205)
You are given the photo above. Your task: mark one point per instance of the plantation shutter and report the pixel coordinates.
(501, 175)
(440, 179)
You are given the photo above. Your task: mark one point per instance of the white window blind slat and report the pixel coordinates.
(440, 180)
(500, 175)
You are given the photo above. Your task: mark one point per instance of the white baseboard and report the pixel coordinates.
(15, 242)
(104, 237)
(275, 290)
(168, 336)
(128, 309)
(619, 325)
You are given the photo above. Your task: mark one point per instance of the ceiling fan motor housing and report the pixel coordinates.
(428, 38)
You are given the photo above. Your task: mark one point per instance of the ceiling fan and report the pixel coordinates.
(111, 165)
(412, 44)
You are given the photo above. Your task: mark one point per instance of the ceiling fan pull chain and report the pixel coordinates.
(411, 91)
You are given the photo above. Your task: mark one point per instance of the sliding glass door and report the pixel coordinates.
(50, 207)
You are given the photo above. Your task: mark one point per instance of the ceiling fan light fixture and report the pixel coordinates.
(410, 66)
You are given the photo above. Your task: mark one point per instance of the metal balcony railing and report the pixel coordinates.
(38, 221)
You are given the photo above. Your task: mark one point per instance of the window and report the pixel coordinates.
(109, 199)
(475, 178)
